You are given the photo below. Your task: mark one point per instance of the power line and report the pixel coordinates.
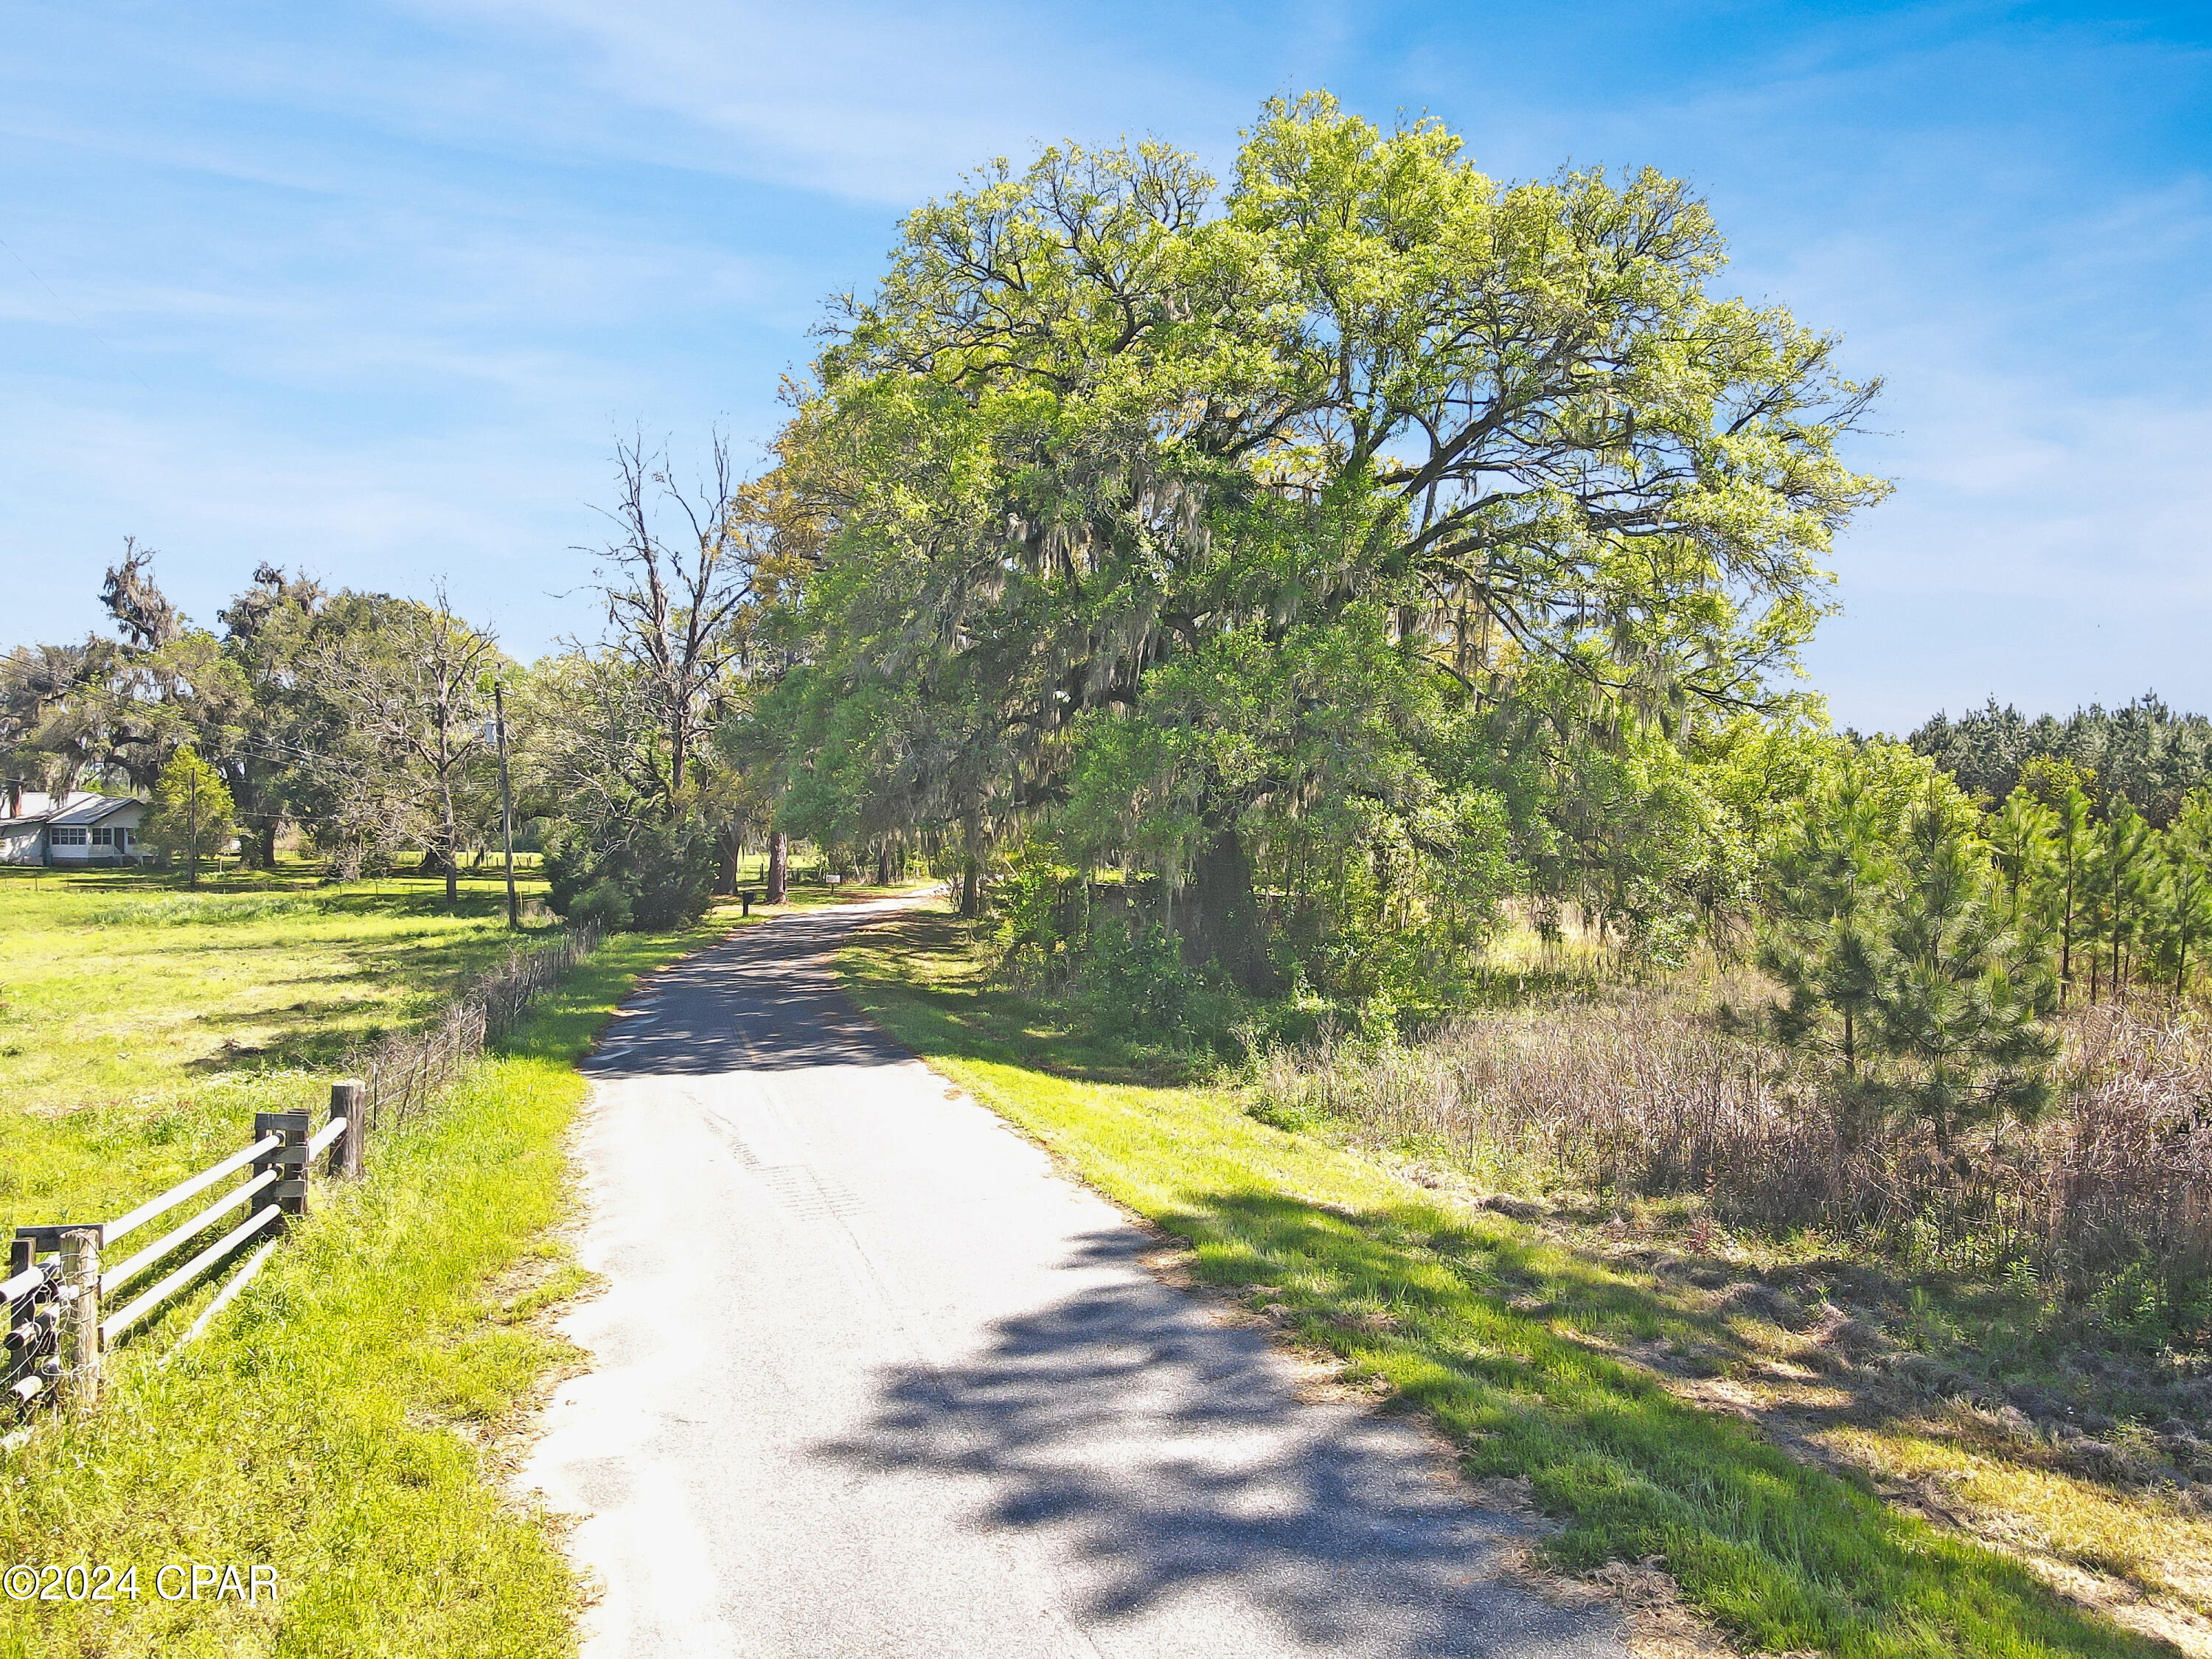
(80, 321)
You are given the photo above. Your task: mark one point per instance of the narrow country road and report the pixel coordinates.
(872, 1379)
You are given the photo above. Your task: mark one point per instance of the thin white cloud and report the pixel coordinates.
(876, 104)
(467, 234)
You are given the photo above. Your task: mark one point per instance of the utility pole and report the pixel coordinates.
(506, 805)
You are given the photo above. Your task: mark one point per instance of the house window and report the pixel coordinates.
(103, 838)
(66, 836)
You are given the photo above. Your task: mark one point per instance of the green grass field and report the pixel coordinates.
(142, 1025)
(340, 1423)
(1513, 1345)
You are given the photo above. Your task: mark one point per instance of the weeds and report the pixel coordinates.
(1657, 1090)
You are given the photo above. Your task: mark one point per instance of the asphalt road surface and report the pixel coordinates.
(873, 1379)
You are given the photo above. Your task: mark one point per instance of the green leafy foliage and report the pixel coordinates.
(193, 816)
(654, 877)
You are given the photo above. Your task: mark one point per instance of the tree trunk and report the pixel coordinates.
(1228, 913)
(883, 865)
(971, 864)
(779, 867)
(726, 874)
(2066, 938)
(268, 844)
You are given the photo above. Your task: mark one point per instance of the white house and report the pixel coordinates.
(78, 827)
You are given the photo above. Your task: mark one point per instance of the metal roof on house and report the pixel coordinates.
(82, 806)
(91, 809)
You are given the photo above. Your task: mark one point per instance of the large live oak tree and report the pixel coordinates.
(1095, 422)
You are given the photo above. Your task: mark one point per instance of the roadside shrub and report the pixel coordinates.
(1038, 906)
(654, 878)
(606, 903)
(1134, 978)
(569, 865)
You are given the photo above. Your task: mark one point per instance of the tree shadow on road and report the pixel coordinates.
(1540, 1357)
(1165, 1454)
(762, 1000)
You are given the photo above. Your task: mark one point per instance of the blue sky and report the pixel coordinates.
(369, 289)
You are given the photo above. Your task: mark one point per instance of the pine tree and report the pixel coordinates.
(2184, 917)
(1828, 878)
(2121, 872)
(1957, 1019)
(2022, 838)
(2072, 843)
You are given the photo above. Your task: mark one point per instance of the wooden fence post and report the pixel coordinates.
(348, 1101)
(289, 1192)
(81, 1316)
(33, 1363)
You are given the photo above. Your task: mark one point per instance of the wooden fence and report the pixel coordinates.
(58, 1291)
(404, 1070)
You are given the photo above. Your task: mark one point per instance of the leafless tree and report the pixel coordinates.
(414, 694)
(672, 597)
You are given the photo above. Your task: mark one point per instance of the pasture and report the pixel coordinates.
(143, 1024)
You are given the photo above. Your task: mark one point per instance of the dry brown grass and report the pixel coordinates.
(1646, 1091)
(1974, 1345)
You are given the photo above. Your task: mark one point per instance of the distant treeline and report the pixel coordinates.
(2142, 752)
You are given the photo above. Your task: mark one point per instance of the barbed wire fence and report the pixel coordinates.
(404, 1071)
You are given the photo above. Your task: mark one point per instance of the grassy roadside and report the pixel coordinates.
(1507, 1340)
(142, 1025)
(341, 1423)
(333, 1424)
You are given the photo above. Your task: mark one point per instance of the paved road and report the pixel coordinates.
(873, 1379)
